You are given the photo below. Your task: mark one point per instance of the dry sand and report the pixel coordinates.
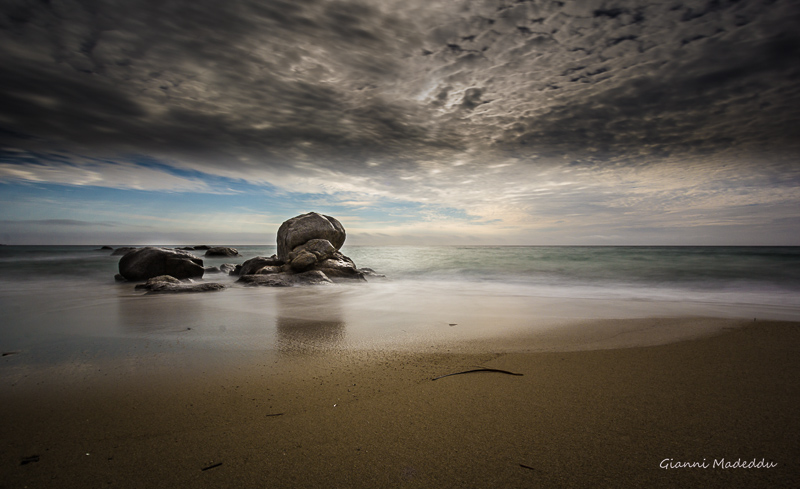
(374, 418)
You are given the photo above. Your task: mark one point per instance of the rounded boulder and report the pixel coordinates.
(303, 228)
(149, 262)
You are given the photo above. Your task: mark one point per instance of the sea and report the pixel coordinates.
(59, 302)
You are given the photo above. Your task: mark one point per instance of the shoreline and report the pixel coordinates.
(373, 417)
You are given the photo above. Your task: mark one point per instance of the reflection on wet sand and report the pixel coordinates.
(150, 314)
(302, 324)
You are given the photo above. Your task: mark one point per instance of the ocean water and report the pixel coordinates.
(61, 302)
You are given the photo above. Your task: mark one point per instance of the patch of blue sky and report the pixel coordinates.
(100, 201)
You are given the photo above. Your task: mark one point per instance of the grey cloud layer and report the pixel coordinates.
(341, 83)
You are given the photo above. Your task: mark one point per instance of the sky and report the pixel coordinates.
(518, 122)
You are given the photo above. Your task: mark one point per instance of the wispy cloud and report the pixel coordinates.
(55, 222)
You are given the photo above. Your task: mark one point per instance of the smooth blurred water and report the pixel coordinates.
(757, 274)
(61, 299)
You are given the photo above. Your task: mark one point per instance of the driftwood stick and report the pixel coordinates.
(482, 369)
(212, 466)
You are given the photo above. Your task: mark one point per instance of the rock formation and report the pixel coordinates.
(308, 253)
(149, 262)
(303, 228)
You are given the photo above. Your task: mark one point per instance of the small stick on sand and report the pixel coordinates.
(482, 369)
(27, 460)
(212, 466)
(276, 414)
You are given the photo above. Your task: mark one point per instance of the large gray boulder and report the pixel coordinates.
(303, 228)
(149, 262)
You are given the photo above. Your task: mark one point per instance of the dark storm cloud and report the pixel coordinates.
(226, 79)
(667, 79)
(243, 84)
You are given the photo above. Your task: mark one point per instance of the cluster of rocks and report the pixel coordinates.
(308, 254)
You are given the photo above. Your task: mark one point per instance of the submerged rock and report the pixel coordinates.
(312, 277)
(306, 227)
(161, 279)
(201, 247)
(222, 251)
(148, 262)
(103, 248)
(228, 268)
(169, 284)
(368, 272)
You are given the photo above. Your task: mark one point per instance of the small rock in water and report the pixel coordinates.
(168, 284)
(222, 251)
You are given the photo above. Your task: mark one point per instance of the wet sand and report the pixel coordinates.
(372, 417)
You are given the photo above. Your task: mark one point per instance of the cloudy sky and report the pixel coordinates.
(411, 121)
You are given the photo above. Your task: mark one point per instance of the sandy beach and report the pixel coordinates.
(608, 417)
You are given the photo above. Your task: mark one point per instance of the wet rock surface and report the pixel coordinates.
(301, 229)
(149, 262)
(169, 284)
(222, 251)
